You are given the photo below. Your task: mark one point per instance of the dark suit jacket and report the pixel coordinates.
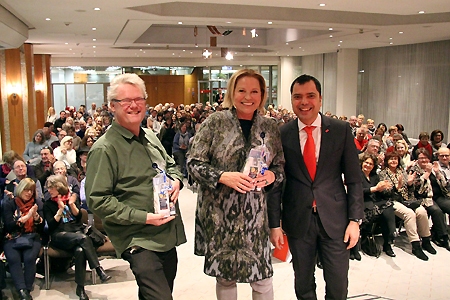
(335, 205)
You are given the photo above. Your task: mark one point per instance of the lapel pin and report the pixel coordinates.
(327, 130)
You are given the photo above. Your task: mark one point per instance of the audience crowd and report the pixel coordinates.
(403, 183)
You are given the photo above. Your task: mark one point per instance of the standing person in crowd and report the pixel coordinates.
(92, 110)
(63, 216)
(180, 146)
(167, 134)
(22, 216)
(119, 189)
(406, 206)
(51, 115)
(231, 219)
(33, 148)
(424, 139)
(318, 213)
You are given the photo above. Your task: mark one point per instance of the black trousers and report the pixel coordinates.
(333, 255)
(438, 218)
(82, 248)
(154, 271)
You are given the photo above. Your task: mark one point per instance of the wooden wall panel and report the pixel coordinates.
(41, 108)
(30, 97)
(171, 89)
(15, 106)
(151, 86)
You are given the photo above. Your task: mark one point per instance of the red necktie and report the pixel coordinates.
(309, 153)
(309, 156)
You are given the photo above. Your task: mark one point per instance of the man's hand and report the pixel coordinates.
(276, 237)
(351, 236)
(175, 191)
(157, 219)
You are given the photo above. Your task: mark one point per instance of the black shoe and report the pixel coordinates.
(81, 293)
(101, 273)
(417, 251)
(445, 243)
(388, 250)
(426, 245)
(319, 264)
(25, 295)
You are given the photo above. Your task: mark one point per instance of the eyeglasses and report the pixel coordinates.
(444, 155)
(128, 101)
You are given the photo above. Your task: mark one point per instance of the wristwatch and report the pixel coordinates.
(359, 221)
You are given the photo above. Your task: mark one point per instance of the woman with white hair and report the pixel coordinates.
(65, 151)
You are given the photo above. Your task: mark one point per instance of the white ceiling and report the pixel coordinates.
(146, 32)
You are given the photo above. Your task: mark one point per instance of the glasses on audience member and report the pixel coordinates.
(444, 155)
(128, 101)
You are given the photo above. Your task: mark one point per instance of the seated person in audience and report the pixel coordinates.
(437, 137)
(377, 208)
(61, 134)
(65, 227)
(23, 215)
(424, 137)
(426, 174)
(60, 168)
(406, 206)
(82, 130)
(180, 146)
(373, 147)
(371, 127)
(361, 138)
(401, 147)
(360, 120)
(401, 130)
(395, 138)
(76, 140)
(49, 135)
(87, 142)
(60, 121)
(20, 170)
(353, 124)
(65, 152)
(45, 168)
(389, 139)
(81, 162)
(32, 150)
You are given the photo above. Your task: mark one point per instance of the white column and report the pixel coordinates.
(347, 82)
(286, 75)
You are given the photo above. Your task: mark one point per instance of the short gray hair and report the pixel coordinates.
(127, 78)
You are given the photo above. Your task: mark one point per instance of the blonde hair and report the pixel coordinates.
(26, 184)
(228, 101)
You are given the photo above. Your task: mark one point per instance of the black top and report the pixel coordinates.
(369, 197)
(246, 126)
(50, 209)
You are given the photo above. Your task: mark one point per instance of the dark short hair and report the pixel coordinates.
(374, 158)
(436, 131)
(400, 127)
(389, 156)
(47, 148)
(302, 79)
(48, 124)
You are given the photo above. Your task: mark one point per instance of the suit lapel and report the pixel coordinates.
(326, 144)
(294, 140)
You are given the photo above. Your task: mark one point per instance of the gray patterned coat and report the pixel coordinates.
(231, 229)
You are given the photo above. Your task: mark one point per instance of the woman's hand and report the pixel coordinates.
(383, 185)
(411, 178)
(60, 203)
(63, 150)
(72, 198)
(264, 180)
(238, 181)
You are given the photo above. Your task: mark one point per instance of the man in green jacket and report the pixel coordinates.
(119, 189)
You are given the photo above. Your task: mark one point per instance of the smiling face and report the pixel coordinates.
(306, 101)
(247, 97)
(367, 165)
(26, 195)
(400, 148)
(129, 116)
(393, 163)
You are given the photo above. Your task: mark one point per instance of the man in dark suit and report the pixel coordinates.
(319, 213)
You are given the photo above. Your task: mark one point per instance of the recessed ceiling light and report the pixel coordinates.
(331, 35)
(184, 50)
(287, 43)
(270, 23)
(391, 43)
(228, 22)
(148, 44)
(66, 43)
(191, 52)
(93, 28)
(248, 46)
(288, 55)
(400, 32)
(47, 19)
(97, 8)
(322, 4)
(179, 23)
(70, 49)
(331, 28)
(94, 46)
(340, 41)
(173, 53)
(140, 49)
(421, 12)
(339, 45)
(390, 38)
(94, 40)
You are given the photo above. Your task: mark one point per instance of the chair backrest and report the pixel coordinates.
(98, 224)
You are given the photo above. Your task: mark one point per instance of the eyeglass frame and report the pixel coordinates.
(128, 101)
